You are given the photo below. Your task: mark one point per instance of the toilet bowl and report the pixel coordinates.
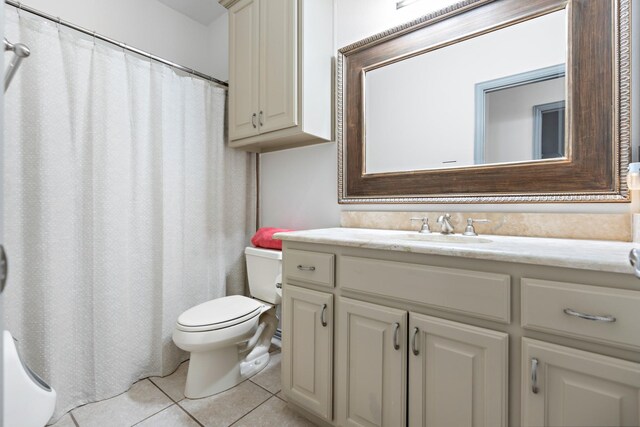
(229, 337)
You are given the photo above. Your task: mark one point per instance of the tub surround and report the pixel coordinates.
(616, 227)
(607, 256)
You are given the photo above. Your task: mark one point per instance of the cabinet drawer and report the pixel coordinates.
(558, 308)
(472, 293)
(310, 267)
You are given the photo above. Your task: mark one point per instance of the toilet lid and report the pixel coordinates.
(220, 310)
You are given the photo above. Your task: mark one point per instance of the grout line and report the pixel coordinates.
(163, 392)
(152, 415)
(127, 390)
(105, 399)
(168, 375)
(276, 395)
(77, 424)
(74, 419)
(189, 413)
(268, 391)
(259, 405)
(195, 419)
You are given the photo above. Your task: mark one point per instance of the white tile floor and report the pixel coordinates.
(160, 402)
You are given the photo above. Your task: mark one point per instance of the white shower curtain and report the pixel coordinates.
(123, 205)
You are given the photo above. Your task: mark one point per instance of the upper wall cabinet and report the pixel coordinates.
(280, 73)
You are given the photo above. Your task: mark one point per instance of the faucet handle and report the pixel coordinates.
(425, 224)
(469, 229)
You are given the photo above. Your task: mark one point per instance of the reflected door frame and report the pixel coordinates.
(514, 80)
(538, 118)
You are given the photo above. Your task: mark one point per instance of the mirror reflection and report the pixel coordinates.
(494, 98)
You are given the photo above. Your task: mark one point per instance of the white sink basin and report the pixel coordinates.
(443, 238)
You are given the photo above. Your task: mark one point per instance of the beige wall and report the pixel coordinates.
(299, 187)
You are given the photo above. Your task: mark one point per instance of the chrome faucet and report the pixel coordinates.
(425, 225)
(445, 223)
(469, 229)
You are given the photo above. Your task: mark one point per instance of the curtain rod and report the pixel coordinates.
(121, 45)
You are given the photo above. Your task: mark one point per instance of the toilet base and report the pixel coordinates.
(222, 358)
(218, 370)
(248, 369)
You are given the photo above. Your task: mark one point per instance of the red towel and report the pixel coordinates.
(264, 238)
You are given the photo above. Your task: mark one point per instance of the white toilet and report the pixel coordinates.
(229, 337)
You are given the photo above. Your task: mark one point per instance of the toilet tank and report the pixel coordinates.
(264, 270)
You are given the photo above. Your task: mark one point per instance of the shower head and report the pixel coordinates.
(20, 51)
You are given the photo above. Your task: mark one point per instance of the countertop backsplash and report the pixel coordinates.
(616, 227)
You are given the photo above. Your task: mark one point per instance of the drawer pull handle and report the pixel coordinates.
(306, 268)
(396, 336)
(253, 120)
(278, 285)
(594, 317)
(416, 350)
(534, 376)
(323, 314)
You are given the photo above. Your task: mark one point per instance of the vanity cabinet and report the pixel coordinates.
(456, 373)
(280, 73)
(307, 343)
(371, 364)
(591, 313)
(438, 339)
(563, 386)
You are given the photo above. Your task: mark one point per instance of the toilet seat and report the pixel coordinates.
(219, 313)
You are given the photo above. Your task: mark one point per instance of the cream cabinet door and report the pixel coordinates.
(278, 65)
(568, 387)
(370, 365)
(244, 30)
(307, 357)
(457, 374)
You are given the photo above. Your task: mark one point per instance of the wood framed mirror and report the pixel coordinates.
(489, 101)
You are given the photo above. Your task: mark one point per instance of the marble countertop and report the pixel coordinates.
(596, 255)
